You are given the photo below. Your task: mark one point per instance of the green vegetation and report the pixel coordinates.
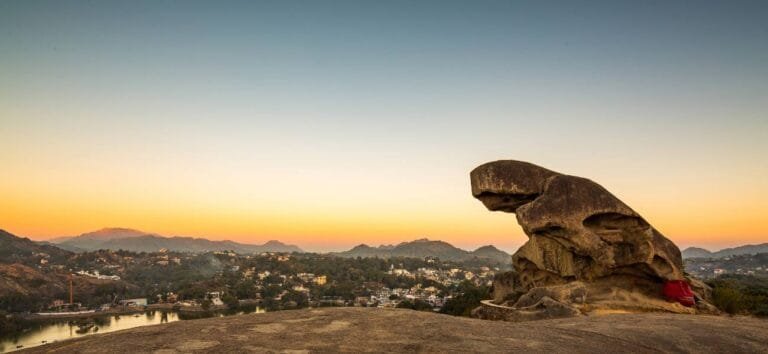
(417, 305)
(11, 325)
(469, 298)
(16, 302)
(231, 301)
(741, 294)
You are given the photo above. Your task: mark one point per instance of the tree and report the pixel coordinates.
(231, 301)
(740, 294)
(300, 299)
(245, 290)
(469, 298)
(417, 305)
(206, 304)
(12, 324)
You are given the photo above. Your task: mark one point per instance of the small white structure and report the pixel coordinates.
(96, 275)
(134, 302)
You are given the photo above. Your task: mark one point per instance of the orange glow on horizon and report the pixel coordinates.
(465, 224)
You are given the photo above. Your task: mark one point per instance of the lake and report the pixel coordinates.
(62, 329)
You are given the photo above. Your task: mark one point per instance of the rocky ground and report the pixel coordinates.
(396, 330)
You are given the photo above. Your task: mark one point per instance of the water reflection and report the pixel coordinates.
(58, 330)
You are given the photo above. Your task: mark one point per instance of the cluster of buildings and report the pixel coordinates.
(705, 272)
(431, 282)
(448, 277)
(756, 265)
(386, 297)
(312, 278)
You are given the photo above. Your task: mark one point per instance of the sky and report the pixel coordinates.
(328, 124)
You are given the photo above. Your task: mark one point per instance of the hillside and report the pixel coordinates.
(18, 279)
(23, 287)
(492, 252)
(426, 248)
(397, 330)
(137, 241)
(91, 240)
(32, 274)
(14, 249)
(697, 252)
(745, 264)
(110, 233)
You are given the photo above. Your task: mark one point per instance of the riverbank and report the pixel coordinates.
(78, 315)
(49, 330)
(130, 310)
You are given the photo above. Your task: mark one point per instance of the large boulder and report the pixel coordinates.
(578, 231)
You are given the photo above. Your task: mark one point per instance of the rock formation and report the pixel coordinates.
(586, 249)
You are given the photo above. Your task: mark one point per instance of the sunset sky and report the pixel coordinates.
(329, 124)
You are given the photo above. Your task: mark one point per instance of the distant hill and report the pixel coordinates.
(91, 240)
(696, 252)
(111, 233)
(492, 252)
(20, 275)
(137, 241)
(426, 248)
(15, 249)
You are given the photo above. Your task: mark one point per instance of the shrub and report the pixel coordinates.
(206, 304)
(728, 299)
(11, 325)
(469, 298)
(741, 294)
(417, 305)
(231, 301)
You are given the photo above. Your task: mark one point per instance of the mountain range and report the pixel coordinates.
(697, 252)
(426, 248)
(139, 241)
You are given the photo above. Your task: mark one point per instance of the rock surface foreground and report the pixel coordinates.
(397, 330)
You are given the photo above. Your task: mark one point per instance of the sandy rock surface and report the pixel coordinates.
(397, 330)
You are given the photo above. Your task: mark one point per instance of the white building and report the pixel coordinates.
(134, 302)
